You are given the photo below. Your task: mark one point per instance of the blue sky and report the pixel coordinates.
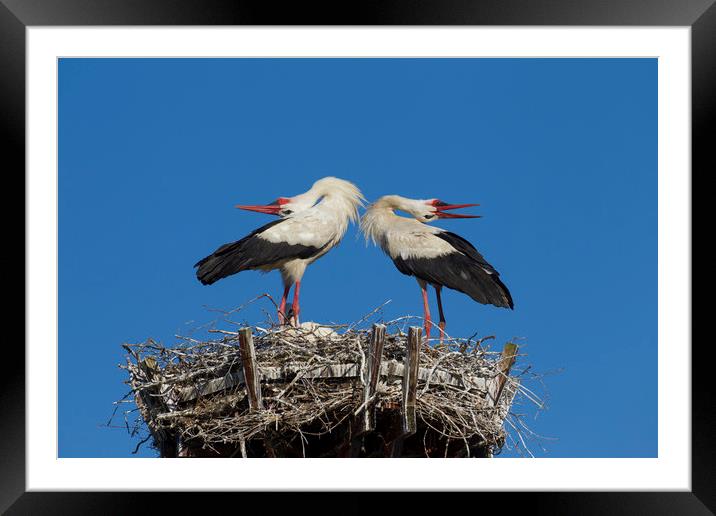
(561, 154)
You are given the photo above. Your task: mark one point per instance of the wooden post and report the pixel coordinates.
(509, 355)
(251, 374)
(410, 380)
(182, 449)
(375, 357)
(148, 401)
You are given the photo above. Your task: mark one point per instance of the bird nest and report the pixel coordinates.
(315, 395)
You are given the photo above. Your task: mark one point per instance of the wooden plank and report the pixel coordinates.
(410, 380)
(210, 387)
(251, 373)
(390, 368)
(374, 359)
(497, 384)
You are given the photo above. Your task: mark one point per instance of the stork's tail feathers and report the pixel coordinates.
(223, 262)
(505, 294)
(484, 287)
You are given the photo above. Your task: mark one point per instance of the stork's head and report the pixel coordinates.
(342, 196)
(345, 192)
(283, 206)
(423, 210)
(437, 209)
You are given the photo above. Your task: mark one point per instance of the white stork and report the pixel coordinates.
(432, 255)
(311, 224)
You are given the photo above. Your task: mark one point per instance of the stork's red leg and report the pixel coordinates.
(438, 289)
(282, 306)
(426, 311)
(296, 308)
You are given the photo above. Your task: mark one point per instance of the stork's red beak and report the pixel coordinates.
(273, 208)
(442, 207)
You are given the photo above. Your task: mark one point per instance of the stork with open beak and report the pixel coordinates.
(432, 255)
(310, 225)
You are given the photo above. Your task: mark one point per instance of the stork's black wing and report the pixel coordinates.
(464, 270)
(251, 252)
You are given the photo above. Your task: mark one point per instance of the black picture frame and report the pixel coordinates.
(700, 15)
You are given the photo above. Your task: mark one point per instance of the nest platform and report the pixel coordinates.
(314, 392)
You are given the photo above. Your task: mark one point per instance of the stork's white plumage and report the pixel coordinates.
(430, 254)
(311, 224)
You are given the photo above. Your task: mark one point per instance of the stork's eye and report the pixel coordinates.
(429, 216)
(286, 212)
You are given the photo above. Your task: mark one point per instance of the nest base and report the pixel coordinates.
(312, 392)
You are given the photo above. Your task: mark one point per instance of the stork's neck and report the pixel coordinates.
(338, 205)
(385, 215)
(390, 203)
(380, 219)
(332, 212)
